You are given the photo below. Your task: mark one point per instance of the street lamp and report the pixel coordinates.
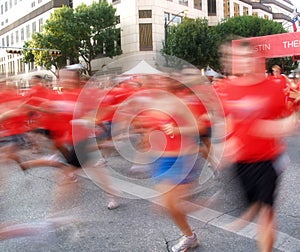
(167, 24)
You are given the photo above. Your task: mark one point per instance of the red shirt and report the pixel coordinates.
(17, 123)
(247, 104)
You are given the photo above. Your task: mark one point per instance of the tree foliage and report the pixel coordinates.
(191, 41)
(198, 44)
(85, 33)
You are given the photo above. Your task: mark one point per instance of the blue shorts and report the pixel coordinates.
(178, 170)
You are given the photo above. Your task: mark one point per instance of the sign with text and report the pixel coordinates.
(274, 46)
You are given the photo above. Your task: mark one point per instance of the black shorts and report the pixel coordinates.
(259, 181)
(76, 155)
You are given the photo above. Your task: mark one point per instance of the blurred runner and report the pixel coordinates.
(257, 121)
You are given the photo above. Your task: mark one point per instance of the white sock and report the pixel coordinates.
(191, 236)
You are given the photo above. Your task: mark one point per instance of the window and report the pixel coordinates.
(211, 7)
(2, 9)
(70, 3)
(184, 2)
(5, 6)
(12, 39)
(198, 4)
(40, 24)
(17, 36)
(21, 66)
(167, 16)
(176, 19)
(245, 11)
(33, 27)
(10, 4)
(146, 43)
(226, 8)
(255, 14)
(117, 19)
(145, 13)
(27, 32)
(22, 34)
(32, 4)
(7, 40)
(236, 10)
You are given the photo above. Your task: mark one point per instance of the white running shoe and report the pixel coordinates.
(113, 204)
(185, 243)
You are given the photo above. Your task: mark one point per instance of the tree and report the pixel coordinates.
(191, 41)
(245, 27)
(198, 44)
(85, 33)
(58, 33)
(99, 36)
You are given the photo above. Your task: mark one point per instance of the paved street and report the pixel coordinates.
(83, 223)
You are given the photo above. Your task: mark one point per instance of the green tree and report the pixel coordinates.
(88, 32)
(97, 30)
(191, 41)
(198, 44)
(245, 27)
(58, 33)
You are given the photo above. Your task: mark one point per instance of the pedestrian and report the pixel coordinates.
(257, 119)
(171, 129)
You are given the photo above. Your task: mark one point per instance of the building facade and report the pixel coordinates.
(143, 23)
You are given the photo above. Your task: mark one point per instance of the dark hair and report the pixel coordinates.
(37, 76)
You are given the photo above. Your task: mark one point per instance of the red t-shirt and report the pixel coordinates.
(247, 104)
(17, 123)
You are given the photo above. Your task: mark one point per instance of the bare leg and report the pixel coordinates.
(245, 218)
(171, 199)
(266, 232)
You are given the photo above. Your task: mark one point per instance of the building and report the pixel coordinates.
(143, 23)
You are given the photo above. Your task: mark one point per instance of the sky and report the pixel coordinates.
(297, 4)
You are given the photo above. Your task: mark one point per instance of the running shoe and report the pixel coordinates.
(68, 179)
(185, 243)
(113, 204)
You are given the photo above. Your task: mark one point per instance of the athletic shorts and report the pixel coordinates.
(77, 155)
(178, 170)
(258, 180)
(19, 140)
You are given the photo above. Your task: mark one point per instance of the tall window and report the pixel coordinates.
(236, 10)
(27, 32)
(17, 36)
(22, 34)
(12, 39)
(33, 27)
(146, 43)
(211, 7)
(245, 11)
(198, 4)
(226, 6)
(40, 24)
